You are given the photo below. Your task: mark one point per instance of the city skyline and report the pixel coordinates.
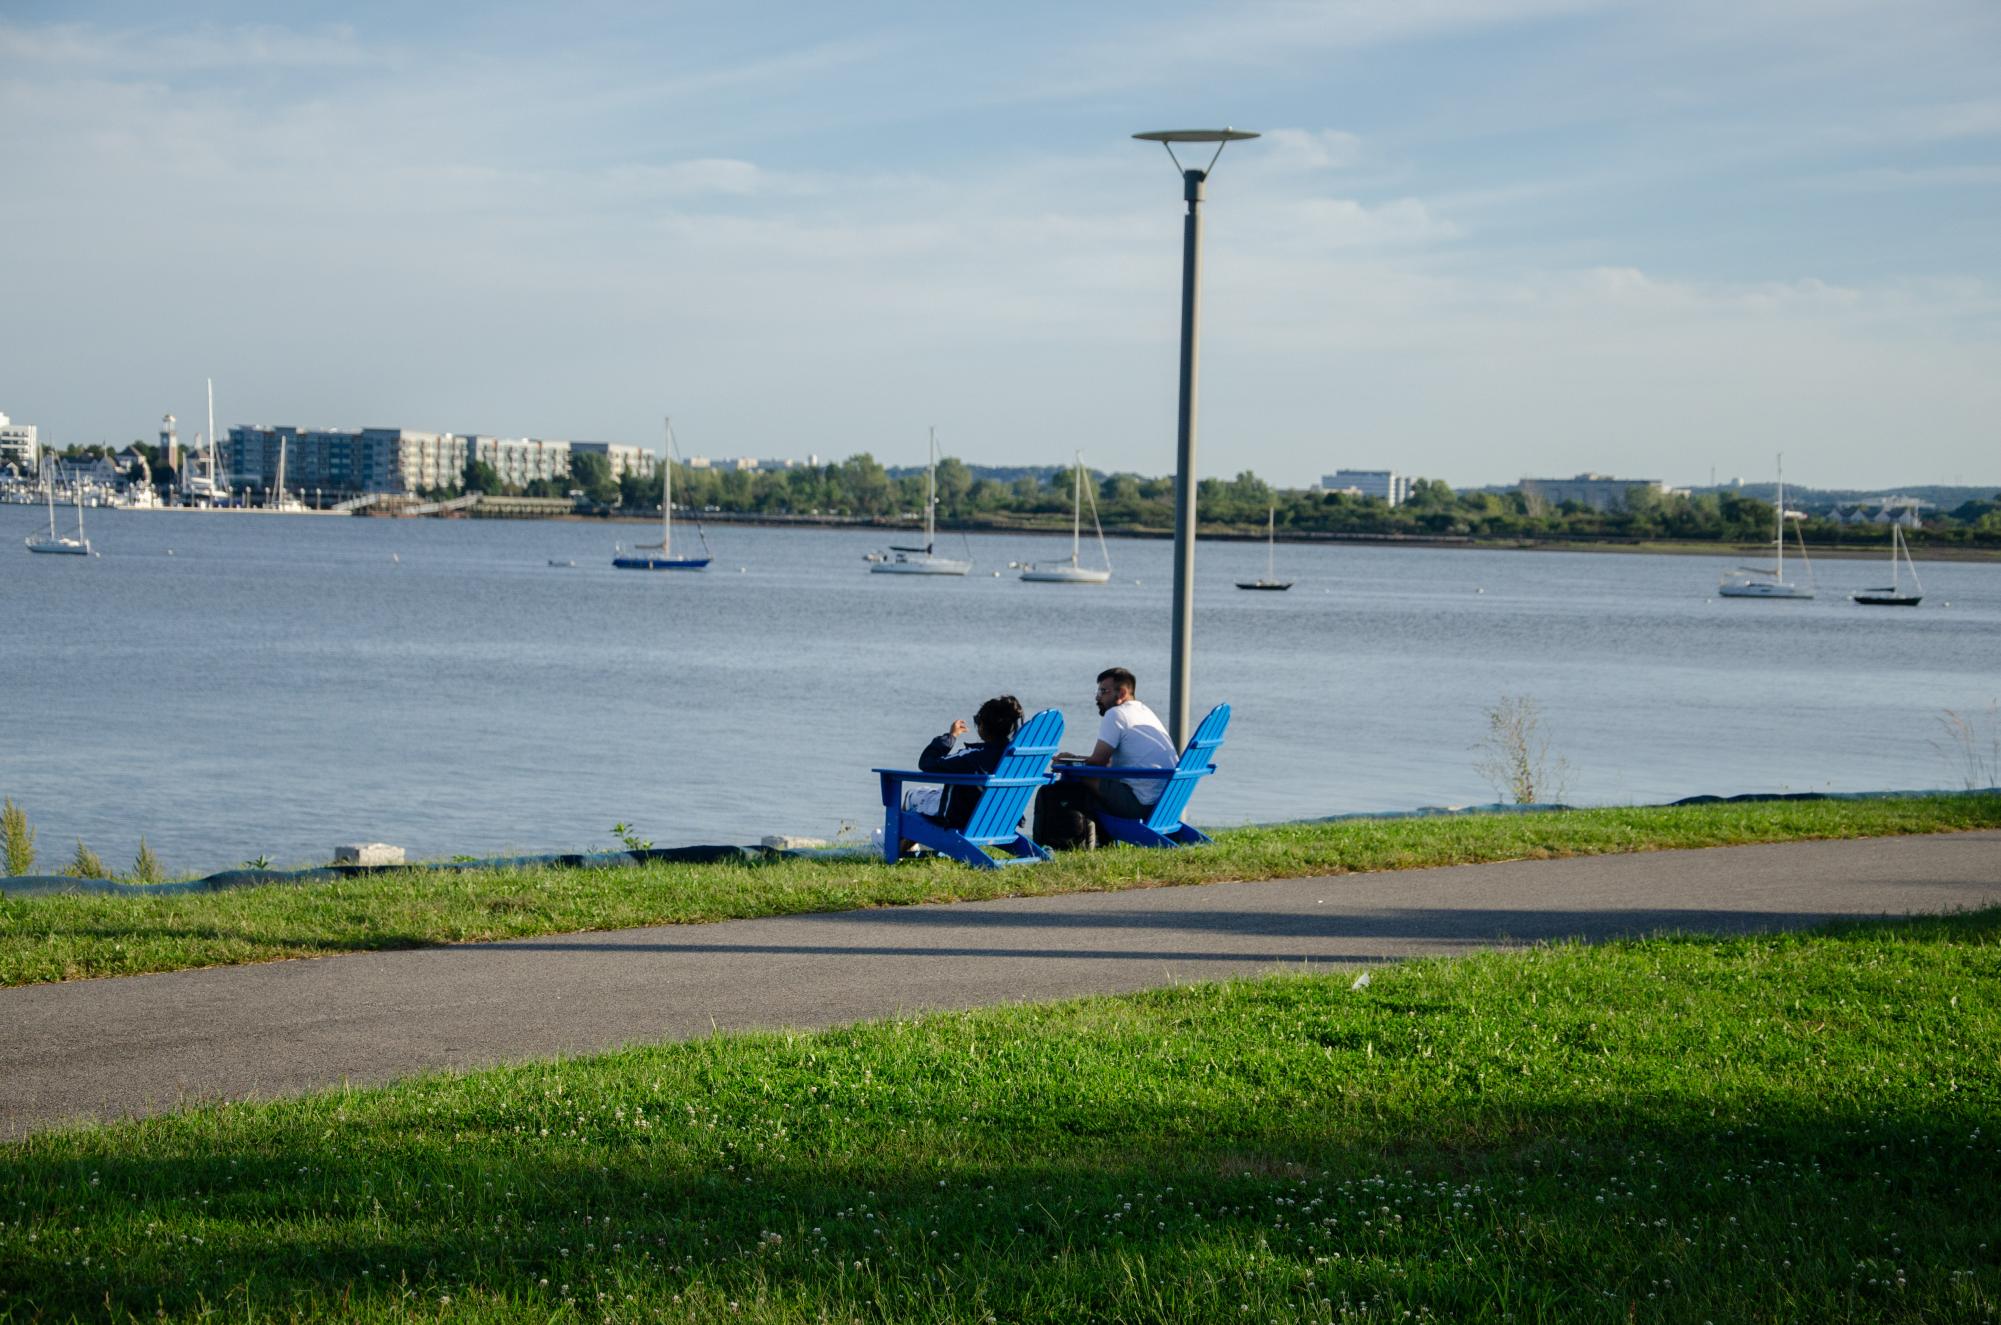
(1478, 241)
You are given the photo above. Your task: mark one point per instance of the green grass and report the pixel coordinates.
(75, 937)
(1803, 1127)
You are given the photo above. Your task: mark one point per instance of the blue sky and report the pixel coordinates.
(1480, 239)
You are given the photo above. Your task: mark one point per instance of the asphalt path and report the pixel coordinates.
(99, 1049)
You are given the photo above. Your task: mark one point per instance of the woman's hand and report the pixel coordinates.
(958, 728)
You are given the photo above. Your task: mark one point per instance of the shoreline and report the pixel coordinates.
(1597, 544)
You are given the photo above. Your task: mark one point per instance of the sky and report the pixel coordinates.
(1479, 239)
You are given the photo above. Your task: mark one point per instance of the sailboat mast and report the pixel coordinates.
(931, 493)
(1077, 512)
(1271, 543)
(1779, 521)
(212, 485)
(667, 493)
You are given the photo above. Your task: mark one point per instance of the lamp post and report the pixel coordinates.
(1184, 464)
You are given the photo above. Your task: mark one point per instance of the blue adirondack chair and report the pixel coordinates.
(996, 821)
(1163, 827)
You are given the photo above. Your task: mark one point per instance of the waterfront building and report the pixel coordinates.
(18, 446)
(1386, 485)
(623, 458)
(344, 459)
(1600, 492)
(1907, 512)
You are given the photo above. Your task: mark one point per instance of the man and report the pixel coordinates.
(1129, 736)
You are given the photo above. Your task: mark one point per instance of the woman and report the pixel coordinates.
(998, 720)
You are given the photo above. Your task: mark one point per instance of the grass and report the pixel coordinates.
(75, 937)
(1801, 1127)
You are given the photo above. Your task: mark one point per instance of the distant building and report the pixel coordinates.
(18, 446)
(1385, 485)
(1905, 511)
(1597, 491)
(623, 458)
(517, 460)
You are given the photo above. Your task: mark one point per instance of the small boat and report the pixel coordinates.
(1071, 572)
(921, 560)
(1775, 584)
(1893, 595)
(52, 542)
(641, 558)
(1270, 580)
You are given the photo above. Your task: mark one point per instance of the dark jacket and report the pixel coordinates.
(978, 757)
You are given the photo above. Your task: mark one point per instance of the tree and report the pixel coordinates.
(16, 838)
(482, 477)
(954, 482)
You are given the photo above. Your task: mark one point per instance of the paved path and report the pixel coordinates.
(108, 1048)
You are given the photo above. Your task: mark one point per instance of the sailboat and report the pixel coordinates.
(60, 544)
(641, 558)
(1893, 595)
(1270, 580)
(1776, 585)
(1071, 572)
(922, 560)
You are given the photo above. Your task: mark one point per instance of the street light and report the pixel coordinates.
(1184, 464)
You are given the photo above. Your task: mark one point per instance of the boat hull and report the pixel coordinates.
(1773, 591)
(1066, 575)
(661, 563)
(1270, 586)
(64, 548)
(1888, 599)
(921, 566)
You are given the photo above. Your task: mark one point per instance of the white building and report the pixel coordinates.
(1600, 492)
(1905, 511)
(18, 446)
(624, 459)
(1386, 485)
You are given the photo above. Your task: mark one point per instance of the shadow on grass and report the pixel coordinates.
(1572, 1210)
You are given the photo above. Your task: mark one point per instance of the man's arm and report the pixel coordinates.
(1100, 757)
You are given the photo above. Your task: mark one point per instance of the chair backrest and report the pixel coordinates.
(1194, 765)
(997, 816)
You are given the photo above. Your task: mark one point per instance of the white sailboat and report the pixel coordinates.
(641, 558)
(922, 560)
(1071, 572)
(52, 542)
(1270, 580)
(1772, 583)
(1892, 594)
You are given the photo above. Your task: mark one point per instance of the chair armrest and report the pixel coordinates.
(959, 779)
(1105, 771)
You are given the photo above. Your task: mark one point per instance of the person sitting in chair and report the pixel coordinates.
(1129, 736)
(997, 720)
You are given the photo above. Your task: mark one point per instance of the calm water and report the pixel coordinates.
(281, 684)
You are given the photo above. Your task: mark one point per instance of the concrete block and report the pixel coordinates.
(368, 853)
(784, 842)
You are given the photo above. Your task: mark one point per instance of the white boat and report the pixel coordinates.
(1756, 582)
(52, 542)
(1072, 572)
(642, 558)
(1270, 580)
(1893, 594)
(921, 560)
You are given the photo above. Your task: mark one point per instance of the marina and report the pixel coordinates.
(285, 685)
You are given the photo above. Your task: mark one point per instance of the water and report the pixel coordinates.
(282, 684)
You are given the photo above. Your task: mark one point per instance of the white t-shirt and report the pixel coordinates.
(1138, 741)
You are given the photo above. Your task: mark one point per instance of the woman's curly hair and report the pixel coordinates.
(998, 719)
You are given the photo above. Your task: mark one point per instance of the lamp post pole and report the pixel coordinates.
(1180, 684)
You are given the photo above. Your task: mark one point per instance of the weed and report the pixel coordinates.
(1515, 756)
(1974, 754)
(632, 840)
(85, 864)
(16, 838)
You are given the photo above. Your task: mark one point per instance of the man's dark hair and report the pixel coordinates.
(998, 719)
(1121, 678)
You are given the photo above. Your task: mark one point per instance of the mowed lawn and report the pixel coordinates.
(80, 936)
(1801, 1127)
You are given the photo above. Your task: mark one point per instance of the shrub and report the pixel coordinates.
(16, 838)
